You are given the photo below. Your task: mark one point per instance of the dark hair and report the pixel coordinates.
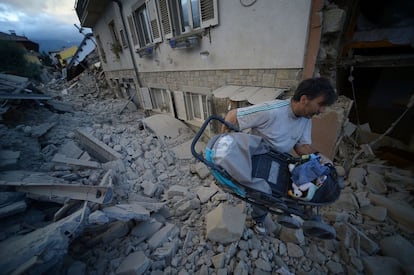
(314, 87)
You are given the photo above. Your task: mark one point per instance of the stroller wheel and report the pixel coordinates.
(288, 221)
(318, 229)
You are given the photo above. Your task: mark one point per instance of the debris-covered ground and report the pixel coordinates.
(68, 156)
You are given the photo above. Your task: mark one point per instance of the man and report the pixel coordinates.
(285, 124)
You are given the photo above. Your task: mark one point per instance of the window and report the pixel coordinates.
(113, 32)
(196, 105)
(146, 26)
(183, 16)
(161, 101)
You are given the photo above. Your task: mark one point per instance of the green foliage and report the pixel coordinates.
(13, 61)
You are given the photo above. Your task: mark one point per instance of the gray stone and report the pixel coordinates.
(149, 188)
(399, 211)
(205, 193)
(14, 208)
(77, 268)
(176, 190)
(356, 175)
(146, 229)
(162, 235)
(334, 267)
(134, 264)
(376, 213)
(71, 150)
(202, 170)
(381, 265)
(219, 260)
(225, 224)
(117, 230)
(98, 217)
(126, 212)
(187, 206)
(346, 201)
(399, 248)
(294, 250)
(292, 235)
(375, 183)
(7, 198)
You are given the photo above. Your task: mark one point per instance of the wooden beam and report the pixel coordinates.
(97, 148)
(98, 194)
(75, 162)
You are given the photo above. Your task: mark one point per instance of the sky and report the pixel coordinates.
(40, 19)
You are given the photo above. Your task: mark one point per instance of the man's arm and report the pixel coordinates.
(230, 117)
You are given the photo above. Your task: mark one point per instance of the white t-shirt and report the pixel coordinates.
(276, 123)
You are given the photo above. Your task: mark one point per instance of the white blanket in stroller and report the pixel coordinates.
(234, 151)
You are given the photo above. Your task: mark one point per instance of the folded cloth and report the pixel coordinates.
(308, 171)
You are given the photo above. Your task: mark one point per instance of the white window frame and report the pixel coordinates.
(201, 102)
(146, 29)
(165, 100)
(171, 12)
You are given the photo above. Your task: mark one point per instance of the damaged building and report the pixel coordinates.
(100, 179)
(193, 59)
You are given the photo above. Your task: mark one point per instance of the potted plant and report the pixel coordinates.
(116, 48)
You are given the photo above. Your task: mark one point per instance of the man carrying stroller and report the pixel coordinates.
(285, 124)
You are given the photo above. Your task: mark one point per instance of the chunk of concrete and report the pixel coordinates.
(135, 263)
(162, 235)
(126, 212)
(381, 265)
(399, 248)
(225, 224)
(399, 211)
(71, 150)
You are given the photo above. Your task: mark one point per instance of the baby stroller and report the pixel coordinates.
(250, 169)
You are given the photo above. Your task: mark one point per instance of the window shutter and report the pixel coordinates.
(132, 30)
(179, 103)
(209, 13)
(172, 111)
(146, 98)
(153, 17)
(165, 19)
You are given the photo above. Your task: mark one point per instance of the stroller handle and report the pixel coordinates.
(200, 133)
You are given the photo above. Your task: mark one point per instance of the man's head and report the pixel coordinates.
(312, 96)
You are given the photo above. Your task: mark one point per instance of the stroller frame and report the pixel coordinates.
(285, 208)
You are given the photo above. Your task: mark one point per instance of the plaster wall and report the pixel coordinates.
(266, 35)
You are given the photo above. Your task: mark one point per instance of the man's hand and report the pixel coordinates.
(230, 117)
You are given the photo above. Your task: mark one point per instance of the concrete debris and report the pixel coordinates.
(167, 214)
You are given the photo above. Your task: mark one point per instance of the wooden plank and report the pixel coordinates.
(97, 148)
(75, 162)
(25, 96)
(98, 194)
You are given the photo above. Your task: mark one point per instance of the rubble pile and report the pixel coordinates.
(92, 190)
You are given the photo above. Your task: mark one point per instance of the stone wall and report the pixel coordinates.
(214, 79)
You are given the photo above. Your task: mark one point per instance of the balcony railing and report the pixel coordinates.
(89, 11)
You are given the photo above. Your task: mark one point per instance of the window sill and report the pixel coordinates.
(193, 122)
(187, 40)
(145, 51)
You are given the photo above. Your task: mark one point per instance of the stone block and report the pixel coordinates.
(225, 224)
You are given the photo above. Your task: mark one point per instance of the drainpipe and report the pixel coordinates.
(134, 64)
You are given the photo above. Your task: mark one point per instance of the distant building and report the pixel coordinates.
(22, 41)
(31, 48)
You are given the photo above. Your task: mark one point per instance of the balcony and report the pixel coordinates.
(89, 11)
